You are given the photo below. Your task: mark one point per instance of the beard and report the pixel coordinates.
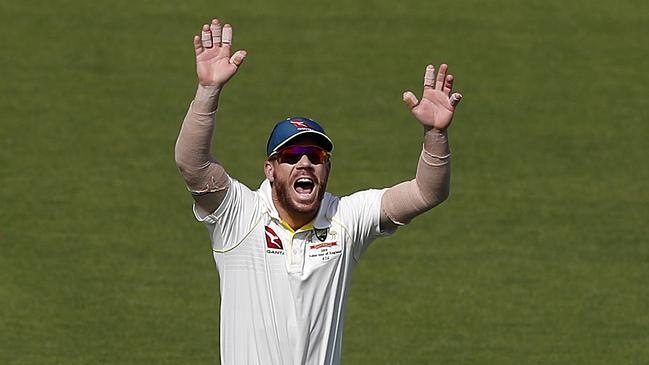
(284, 190)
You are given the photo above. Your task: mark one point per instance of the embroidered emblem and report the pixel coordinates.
(324, 251)
(272, 239)
(323, 245)
(299, 124)
(321, 233)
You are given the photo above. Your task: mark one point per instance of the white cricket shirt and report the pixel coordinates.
(284, 292)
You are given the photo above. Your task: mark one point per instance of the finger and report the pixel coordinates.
(198, 46)
(455, 99)
(237, 57)
(206, 36)
(410, 99)
(448, 85)
(441, 76)
(226, 39)
(429, 76)
(215, 28)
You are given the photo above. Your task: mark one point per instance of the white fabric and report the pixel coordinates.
(286, 305)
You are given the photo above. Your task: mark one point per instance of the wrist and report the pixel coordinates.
(206, 99)
(428, 128)
(436, 141)
(207, 92)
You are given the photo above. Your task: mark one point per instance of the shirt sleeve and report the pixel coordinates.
(233, 219)
(360, 214)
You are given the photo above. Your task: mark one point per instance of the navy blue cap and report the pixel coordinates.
(290, 128)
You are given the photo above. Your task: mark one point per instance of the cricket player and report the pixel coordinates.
(285, 252)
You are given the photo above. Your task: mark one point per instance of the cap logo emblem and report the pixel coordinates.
(299, 124)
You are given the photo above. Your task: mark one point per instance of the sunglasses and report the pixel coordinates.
(292, 154)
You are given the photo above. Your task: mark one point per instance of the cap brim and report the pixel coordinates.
(327, 145)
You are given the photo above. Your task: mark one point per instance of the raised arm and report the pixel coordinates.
(402, 202)
(205, 177)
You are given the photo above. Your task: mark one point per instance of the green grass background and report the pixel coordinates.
(540, 256)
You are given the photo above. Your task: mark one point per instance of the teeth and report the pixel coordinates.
(304, 180)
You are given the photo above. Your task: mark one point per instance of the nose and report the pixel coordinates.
(304, 162)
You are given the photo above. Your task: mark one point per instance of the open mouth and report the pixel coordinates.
(304, 185)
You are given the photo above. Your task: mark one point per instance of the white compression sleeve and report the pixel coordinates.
(202, 173)
(404, 201)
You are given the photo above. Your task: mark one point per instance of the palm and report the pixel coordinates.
(436, 108)
(214, 64)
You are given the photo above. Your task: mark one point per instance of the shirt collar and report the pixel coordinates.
(321, 219)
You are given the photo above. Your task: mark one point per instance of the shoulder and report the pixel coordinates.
(239, 200)
(361, 198)
(361, 205)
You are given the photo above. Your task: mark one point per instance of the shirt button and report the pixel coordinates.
(295, 251)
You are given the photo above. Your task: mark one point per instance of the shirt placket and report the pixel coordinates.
(296, 252)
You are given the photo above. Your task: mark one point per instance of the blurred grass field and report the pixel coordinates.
(540, 256)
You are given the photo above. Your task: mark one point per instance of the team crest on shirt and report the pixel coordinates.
(321, 233)
(273, 242)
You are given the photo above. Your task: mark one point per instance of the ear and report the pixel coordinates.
(269, 170)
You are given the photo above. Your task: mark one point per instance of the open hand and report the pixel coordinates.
(436, 108)
(214, 65)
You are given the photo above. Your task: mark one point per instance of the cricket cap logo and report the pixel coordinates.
(272, 239)
(300, 124)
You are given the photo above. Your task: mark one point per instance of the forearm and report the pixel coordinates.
(202, 173)
(431, 186)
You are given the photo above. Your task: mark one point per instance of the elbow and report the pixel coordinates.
(178, 157)
(432, 195)
(434, 199)
(444, 194)
(183, 159)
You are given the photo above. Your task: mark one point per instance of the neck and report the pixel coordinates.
(293, 217)
(295, 220)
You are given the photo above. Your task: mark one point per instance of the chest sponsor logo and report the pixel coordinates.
(324, 251)
(273, 243)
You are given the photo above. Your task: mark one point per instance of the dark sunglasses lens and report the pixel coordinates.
(293, 154)
(289, 158)
(318, 157)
